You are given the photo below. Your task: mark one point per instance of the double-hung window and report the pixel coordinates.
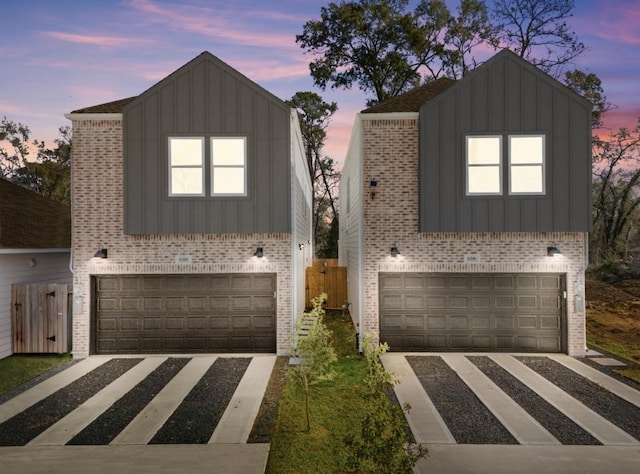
(525, 164)
(218, 164)
(186, 166)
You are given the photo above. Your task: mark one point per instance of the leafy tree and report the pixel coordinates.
(314, 115)
(315, 354)
(470, 29)
(374, 44)
(537, 30)
(34, 166)
(589, 86)
(381, 445)
(616, 201)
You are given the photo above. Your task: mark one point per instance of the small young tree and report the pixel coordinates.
(312, 347)
(381, 446)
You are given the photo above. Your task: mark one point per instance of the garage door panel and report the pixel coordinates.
(412, 321)
(129, 324)
(392, 321)
(197, 303)
(483, 312)
(264, 303)
(108, 304)
(504, 282)
(391, 302)
(184, 313)
(130, 304)
(459, 322)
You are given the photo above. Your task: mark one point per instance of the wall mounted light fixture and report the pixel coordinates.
(102, 253)
(553, 250)
(394, 251)
(373, 184)
(258, 253)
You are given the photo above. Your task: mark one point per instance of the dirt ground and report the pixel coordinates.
(613, 313)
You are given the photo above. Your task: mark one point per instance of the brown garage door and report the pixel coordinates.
(472, 312)
(184, 313)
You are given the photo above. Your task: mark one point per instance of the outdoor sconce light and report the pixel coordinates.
(102, 253)
(301, 246)
(394, 251)
(553, 250)
(372, 184)
(258, 253)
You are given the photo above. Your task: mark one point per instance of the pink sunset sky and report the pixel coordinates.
(58, 56)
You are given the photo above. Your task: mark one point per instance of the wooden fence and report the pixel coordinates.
(325, 276)
(40, 318)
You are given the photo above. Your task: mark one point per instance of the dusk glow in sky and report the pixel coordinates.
(58, 56)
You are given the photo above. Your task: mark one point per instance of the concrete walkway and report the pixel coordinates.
(538, 452)
(227, 451)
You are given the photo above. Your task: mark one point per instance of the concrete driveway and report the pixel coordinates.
(532, 436)
(164, 410)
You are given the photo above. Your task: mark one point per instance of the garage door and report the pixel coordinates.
(472, 312)
(184, 313)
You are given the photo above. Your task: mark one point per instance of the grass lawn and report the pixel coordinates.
(336, 412)
(18, 368)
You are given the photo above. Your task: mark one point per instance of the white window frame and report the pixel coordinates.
(215, 166)
(173, 167)
(541, 165)
(469, 166)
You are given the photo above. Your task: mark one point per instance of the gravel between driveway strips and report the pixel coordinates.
(559, 425)
(195, 420)
(469, 421)
(618, 411)
(108, 425)
(25, 426)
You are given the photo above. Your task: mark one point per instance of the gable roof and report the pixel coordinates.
(507, 56)
(29, 220)
(412, 100)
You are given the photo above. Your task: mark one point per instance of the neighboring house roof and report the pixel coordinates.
(412, 100)
(114, 107)
(29, 220)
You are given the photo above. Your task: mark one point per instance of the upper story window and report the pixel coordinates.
(525, 162)
(484, 165)
(229, 165)
(186, 166)
(191, 157)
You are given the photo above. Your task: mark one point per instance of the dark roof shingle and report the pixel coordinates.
(114, 107)
(412, 100)
(29, 220)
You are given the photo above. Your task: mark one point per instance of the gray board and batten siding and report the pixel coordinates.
(504, 96)
(207, 98)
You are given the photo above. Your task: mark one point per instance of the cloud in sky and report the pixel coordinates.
(222, 22)
(96, 40)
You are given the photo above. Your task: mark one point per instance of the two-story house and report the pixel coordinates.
(191, 218)
(465, 209)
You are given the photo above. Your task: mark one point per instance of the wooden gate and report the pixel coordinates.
(40, 317)
(325, 276)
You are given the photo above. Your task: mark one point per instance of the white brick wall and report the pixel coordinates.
(98, 223)
(390, 156)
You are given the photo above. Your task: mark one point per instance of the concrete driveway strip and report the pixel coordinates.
(237, 420)
(157, 412)
(603, 430)
(69, 426)
(614, 386)
(524, 428)
(424, 420)
(41, 391)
